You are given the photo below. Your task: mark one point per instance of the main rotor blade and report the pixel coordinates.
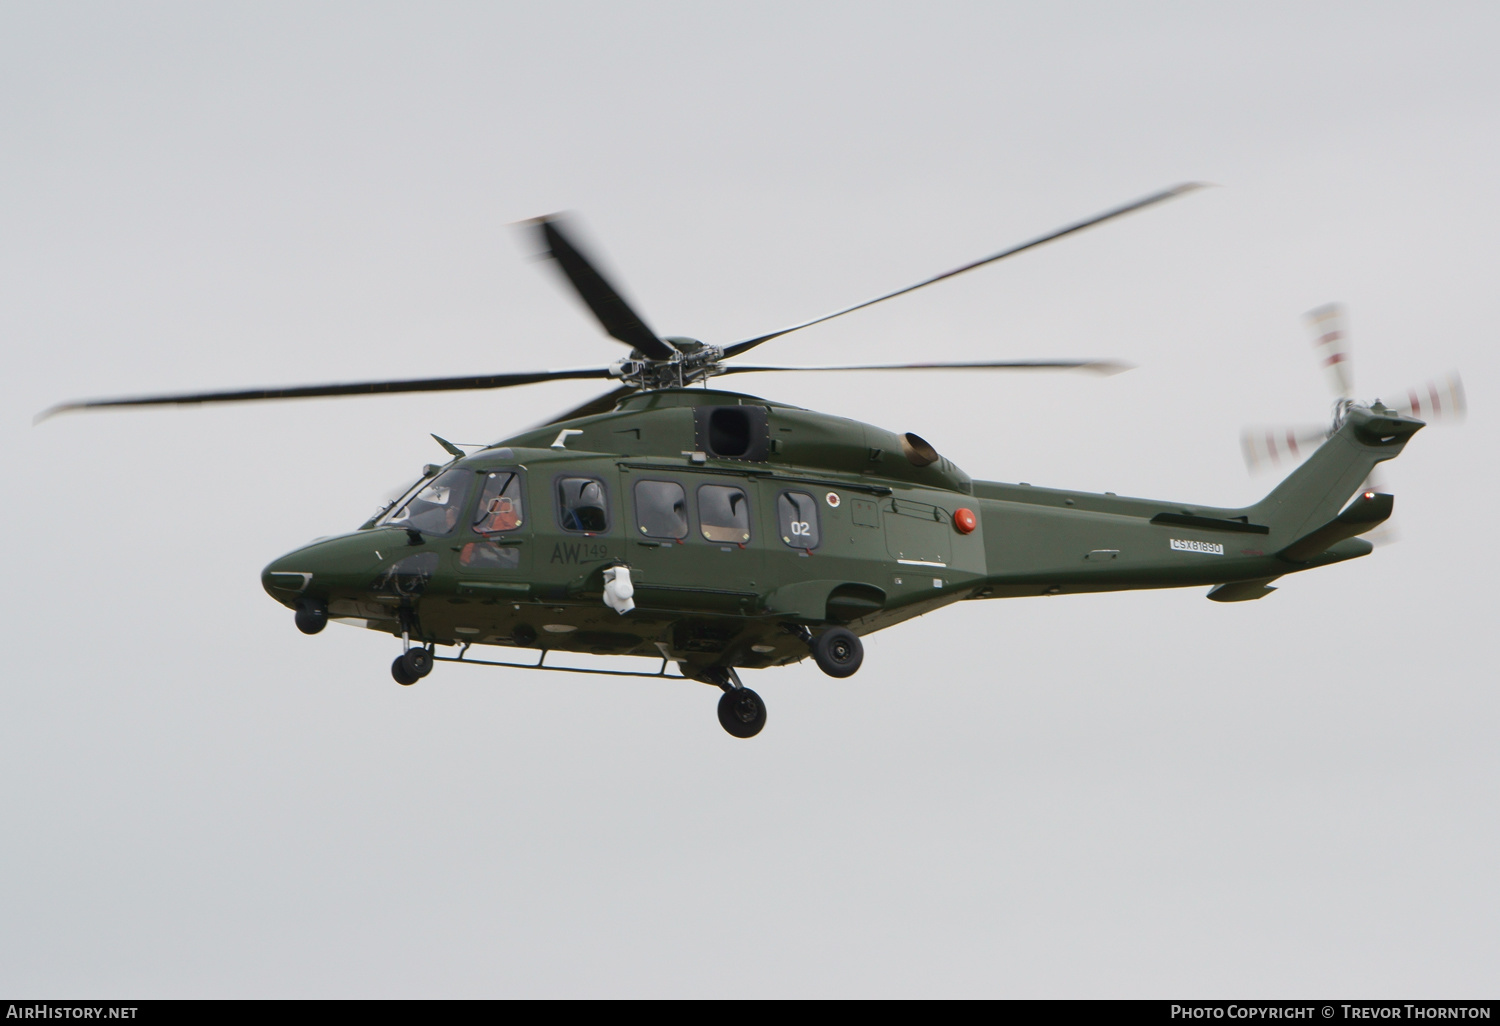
(1177, 190)
(316, 391)
(1097, 366)
(607, 304)
(599, 404)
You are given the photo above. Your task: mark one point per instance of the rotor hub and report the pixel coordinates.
(691, 361)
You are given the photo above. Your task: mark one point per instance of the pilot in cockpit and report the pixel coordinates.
(500, 514)
(499, 504)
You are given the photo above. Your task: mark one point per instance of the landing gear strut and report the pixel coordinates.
(741, 711)
(413, 663)
(838, 652)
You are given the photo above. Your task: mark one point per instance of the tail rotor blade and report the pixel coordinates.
(1329, 324)
(1436, 400)
(1269, 446)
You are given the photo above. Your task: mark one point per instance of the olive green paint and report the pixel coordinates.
(887, 547)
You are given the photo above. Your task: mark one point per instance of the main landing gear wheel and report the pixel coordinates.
(411, 666)
(741, 712)
(838, 652)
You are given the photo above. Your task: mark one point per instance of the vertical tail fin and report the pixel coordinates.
(1313, 494)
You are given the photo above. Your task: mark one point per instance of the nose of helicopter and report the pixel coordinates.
(342, 562)
(287, 578)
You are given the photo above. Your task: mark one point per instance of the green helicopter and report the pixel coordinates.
(717, 531)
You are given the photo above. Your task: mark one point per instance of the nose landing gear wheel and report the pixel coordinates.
(741, 712)
(411, 666)
(838, 652)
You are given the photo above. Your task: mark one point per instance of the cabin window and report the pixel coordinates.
(661, 509)
(724, 513)
(435, 507)
(797, 517)
(581, 505)
(499, 508)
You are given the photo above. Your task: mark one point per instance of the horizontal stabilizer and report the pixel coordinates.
(1365, 513)
(1242, 591)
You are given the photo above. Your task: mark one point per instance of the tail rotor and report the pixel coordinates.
(1441, 399)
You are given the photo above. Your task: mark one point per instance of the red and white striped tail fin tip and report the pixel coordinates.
(1268, 446)
(1329, 325)
(1436, 400)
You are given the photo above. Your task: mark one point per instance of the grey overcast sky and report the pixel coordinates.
(1120, 795)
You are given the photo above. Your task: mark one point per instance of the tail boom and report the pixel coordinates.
(1048, 541)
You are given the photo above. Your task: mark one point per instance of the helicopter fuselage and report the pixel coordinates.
(747, 526)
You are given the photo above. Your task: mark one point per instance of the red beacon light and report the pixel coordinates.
(964, 521)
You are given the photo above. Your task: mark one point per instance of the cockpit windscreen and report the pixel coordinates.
(435, 506)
